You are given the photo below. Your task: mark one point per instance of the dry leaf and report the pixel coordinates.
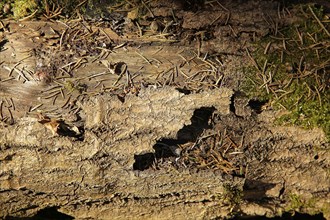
(50, 123)
(53, 126)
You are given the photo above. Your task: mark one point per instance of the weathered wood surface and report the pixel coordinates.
(23, 57)
(45, 171)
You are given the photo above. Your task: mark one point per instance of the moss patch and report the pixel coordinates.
(22, 8)
(291, 70)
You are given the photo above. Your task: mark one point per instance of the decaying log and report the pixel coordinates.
(55, 171)
(80, 122)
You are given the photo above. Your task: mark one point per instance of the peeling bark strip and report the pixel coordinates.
(154, 114)
(45, 171)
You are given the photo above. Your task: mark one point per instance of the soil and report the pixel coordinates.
(102, 118)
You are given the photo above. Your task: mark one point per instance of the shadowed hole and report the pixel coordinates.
(50, 213)
(257, 105)
(189, 133)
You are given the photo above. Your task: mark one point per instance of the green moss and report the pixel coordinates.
(326, 209)
(232, 195)
(101, 8)
(2, 3)
(293, 72)
(22, 8)
(297, 203)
